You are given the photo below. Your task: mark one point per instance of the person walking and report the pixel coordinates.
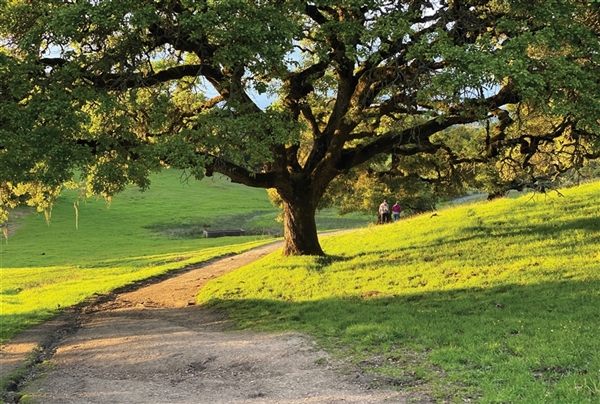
(384, 212)
(396, 209)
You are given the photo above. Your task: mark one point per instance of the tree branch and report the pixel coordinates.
(240, 175)
(114, 81)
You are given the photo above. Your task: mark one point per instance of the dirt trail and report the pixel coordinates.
(151, 344)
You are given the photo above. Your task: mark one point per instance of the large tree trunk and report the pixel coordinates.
(300, 228)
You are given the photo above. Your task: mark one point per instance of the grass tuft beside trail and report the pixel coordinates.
(492, 302)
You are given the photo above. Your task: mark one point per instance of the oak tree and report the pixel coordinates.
(111, 91)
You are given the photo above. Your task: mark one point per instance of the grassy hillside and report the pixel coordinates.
(46, 267)
(168, 217)
(492, 302)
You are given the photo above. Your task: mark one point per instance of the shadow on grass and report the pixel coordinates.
(512, 335)
(548, 230)
(194, 226)
(14, 323)
(257, 223)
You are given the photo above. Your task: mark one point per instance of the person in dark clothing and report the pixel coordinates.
(384, 212)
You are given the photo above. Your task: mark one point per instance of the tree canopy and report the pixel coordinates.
(102, 93)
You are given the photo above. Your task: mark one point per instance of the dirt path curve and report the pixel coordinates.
(151, 344)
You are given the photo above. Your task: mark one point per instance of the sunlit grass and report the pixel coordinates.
(494, 301)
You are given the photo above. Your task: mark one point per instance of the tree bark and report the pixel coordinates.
(300, 228)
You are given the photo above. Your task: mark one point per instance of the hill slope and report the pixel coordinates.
(501, 298)
(168, 217)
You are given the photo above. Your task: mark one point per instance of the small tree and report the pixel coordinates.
(115, 90)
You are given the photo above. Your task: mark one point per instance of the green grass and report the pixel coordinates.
(47, 267)
(496, 302)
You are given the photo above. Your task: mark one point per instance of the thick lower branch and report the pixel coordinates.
(240, 175)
